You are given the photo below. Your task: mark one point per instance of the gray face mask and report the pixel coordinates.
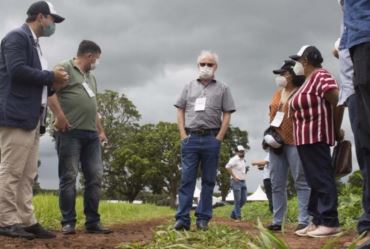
(48, 30)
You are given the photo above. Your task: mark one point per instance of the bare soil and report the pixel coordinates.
(143, 231)
(294, 241)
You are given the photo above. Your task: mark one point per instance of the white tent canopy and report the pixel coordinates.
(258, 195)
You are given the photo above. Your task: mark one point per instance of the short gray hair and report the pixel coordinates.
(207, 53)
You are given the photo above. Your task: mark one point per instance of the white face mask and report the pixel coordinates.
(298, 68)
(94, 65)
(281, 81)
(205, 72)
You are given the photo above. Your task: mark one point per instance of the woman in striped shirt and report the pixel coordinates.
(313, 109)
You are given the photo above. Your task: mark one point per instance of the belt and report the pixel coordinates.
(202, 132)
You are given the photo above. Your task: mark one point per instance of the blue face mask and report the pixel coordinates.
(48, 30)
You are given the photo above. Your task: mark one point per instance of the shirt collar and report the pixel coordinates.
(34, 36)
(78, 69)
(212, 81)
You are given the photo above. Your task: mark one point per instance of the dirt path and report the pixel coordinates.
(143, 231)
(293, 241)
(135, 231)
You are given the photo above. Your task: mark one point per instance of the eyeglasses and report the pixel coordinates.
(208, 64)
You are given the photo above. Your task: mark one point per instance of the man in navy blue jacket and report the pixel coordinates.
(25, 84)
(356, 37)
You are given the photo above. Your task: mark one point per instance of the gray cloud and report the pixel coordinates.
(150, 47)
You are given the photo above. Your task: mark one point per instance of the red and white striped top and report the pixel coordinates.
(313, 115)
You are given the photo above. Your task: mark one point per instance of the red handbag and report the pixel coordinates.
(342, 158)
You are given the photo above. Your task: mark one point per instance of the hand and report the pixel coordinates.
(236, 179)
(218, 137)
(183, 136)
(254, 163)
(339, 136)
(103, 138)
(61, 123)
(335, 53)
(61, 78)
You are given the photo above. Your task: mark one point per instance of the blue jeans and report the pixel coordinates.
(279, 166)
(240, 197)
(79, 148)
(197, 151)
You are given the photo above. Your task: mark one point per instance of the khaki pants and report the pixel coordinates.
(18, 169)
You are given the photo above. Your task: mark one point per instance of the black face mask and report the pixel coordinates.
(241, 155)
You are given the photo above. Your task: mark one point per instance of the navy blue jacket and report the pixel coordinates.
(21, 80)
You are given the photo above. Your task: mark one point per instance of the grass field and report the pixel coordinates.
(218, 236)
(48, 214)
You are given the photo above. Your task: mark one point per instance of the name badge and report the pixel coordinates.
(88, 90)
(278, 119)
(200, 104)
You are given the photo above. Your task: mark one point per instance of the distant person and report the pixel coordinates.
(287, 157)
(78, 135)
(203, 115)
(356, 38)
(313, 108)
(25, 82)
(237, 169)
(264, 165)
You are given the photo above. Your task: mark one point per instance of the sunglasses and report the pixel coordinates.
(208, 64)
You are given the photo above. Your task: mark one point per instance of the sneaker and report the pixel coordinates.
(202, 225)
(180, 225)
(303, 232)
(274, 227)
(16, 231)
(300, 226)
(40, 232)
(324, 231)
(68, 229)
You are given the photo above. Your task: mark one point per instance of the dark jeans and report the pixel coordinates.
(240, 197)
(79, 148)
(361, 64)
(323, 203)
(197, 151)
(268, 190)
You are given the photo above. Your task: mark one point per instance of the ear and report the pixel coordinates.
(39, 17)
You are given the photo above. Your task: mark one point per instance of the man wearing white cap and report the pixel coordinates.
(25, 84)
(237, 169)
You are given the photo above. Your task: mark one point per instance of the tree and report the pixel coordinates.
(119, 118)
(233, 138)
(164, 144)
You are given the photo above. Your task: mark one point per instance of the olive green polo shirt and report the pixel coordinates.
(79, 108)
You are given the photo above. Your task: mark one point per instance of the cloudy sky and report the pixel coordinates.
(149, 51)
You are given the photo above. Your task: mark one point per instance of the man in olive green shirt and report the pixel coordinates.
(78, 134)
